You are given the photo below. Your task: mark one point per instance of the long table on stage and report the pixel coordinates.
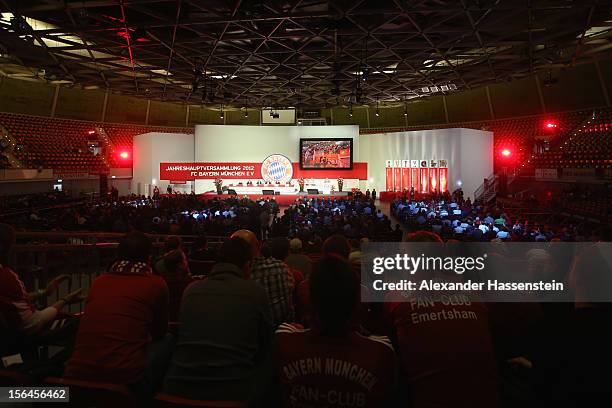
(258, 189)
(281, 199)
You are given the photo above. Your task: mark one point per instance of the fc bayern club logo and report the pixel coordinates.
(276, 168)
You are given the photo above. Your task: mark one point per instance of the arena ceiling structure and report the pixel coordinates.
(304, 53)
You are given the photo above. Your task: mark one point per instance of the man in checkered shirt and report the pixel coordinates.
(275, 277)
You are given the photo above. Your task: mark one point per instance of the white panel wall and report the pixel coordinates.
(469, 154)
(476, 161)
(234, 143)
(149, 150)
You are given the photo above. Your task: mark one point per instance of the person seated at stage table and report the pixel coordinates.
(274, 276)
(122, 336)
(226, 331)
(316, 359)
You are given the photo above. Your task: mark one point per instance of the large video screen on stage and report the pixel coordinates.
(326, 154)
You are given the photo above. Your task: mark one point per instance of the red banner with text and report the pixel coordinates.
(389, 179)
(406, 178)
(424, 181)
(415, 179)
(397, 174)
(246, 171)
(433, 180)
(443, 180)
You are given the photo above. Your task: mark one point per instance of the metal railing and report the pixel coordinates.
(39, 257)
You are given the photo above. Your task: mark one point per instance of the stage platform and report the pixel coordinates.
(281, 199)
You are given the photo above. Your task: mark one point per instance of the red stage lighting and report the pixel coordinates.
(124, 155)
(550, 125)
(506, 153)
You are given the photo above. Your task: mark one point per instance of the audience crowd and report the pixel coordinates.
(276, 318)
(458, 219)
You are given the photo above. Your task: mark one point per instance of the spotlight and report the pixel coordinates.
(550, 125)
(124, 155)
(506, 153)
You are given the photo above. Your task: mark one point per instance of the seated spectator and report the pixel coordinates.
(200, 250)
(274, 276)
(337, 245)
(454, 353)
(330, 364)
(296, 259)
(226, 331)
(356, 253)
(279, 249)
(122, 336)
(26, 317)
(171, 243)
(173, 267)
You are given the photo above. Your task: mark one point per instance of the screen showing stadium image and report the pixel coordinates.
(326, 154)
